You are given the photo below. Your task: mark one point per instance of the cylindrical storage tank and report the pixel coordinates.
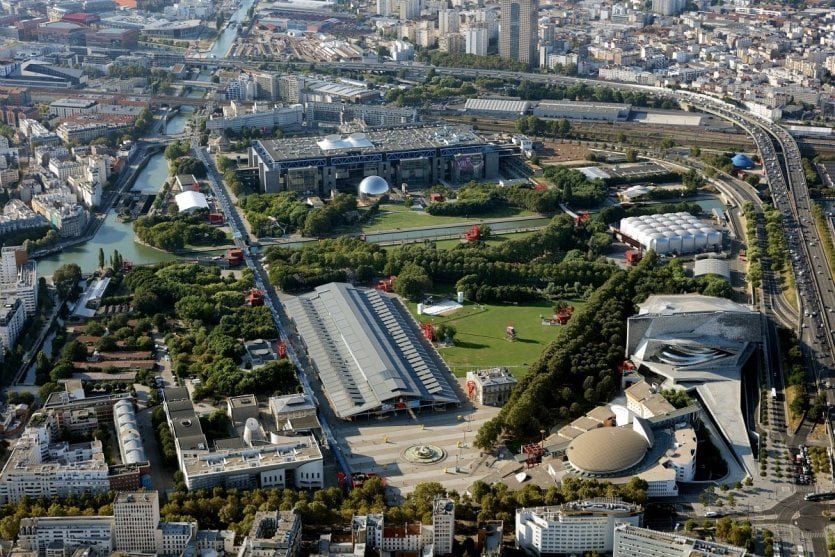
(699, 238)
(688, 242)
(714, 238)
(673, 242)
(659, 244)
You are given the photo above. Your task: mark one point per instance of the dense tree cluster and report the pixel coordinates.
(286, 208)
(66, 279)
(176, 232)
(293, 269)
(210, 347)
(435, 89)
(578, 370)
(538, 126)
(478, 199)
(514, 270)
(462, 60)
(577, 190)
(188, 165)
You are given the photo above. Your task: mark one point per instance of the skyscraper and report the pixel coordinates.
(518, 37)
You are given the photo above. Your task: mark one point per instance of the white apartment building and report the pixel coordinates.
(37, 468)
(66, 533)
(237, 118)
(65, 169)
(135, 515)
(273, 534)
(632, 541)
(577, 527)
(12, 319)
(477, 38)
(427, 539)
(443, 525)
(69, 107)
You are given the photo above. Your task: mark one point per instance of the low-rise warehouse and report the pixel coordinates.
(607, 112)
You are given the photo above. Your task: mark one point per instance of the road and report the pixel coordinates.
(282, 322)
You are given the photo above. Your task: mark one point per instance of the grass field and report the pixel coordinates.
(480, 340)
(495, 240)
(394, 217)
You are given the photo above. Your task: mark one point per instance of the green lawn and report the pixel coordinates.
(394, 217)
(480, 341)
(495, 240)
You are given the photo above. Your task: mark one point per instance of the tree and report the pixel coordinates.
(66, 278)
(631, 155)
(445, 332)
(101, 258)
(565, 127)
(412, 282)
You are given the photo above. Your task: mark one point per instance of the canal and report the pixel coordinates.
(115, 235)
(230, 32)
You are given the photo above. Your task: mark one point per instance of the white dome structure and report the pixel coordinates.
(373, 186)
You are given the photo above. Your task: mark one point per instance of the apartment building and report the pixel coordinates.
(576, 527)
(39, 468)
(12, 319)
(135, 515)
(273, 534)
(47, 535)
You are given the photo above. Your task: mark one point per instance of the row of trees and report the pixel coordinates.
(535, 262)
(266, 212)
(578, 370)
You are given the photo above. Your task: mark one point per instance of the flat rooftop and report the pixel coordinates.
(376, 141)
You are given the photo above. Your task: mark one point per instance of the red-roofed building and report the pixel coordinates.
(82, 18)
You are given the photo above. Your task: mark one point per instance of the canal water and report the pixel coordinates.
(177, 124)
(115, 235)
(230, 32)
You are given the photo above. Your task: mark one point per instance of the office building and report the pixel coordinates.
(518, 35)
(260, 456)
(577, 527)
(633, 541)
(416, 156)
